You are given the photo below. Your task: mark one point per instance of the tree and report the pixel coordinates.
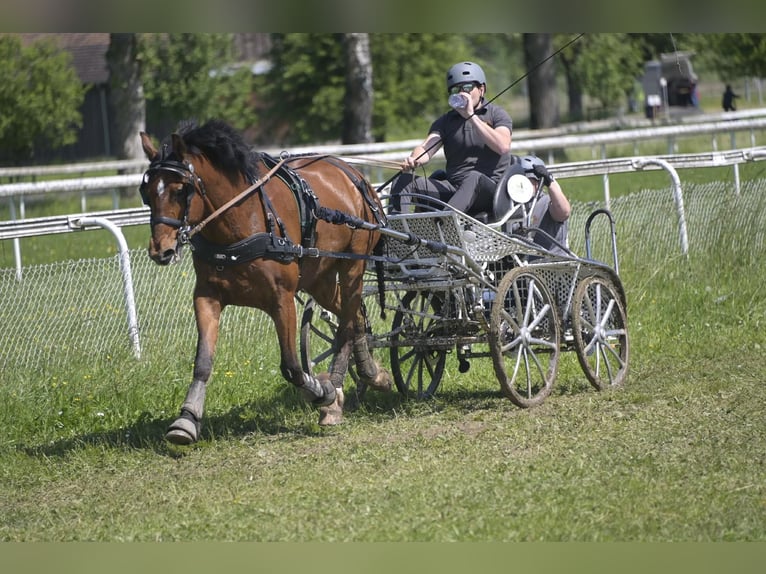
(303, 91)
(410, 76)
(191, 75)
(306, 87)
(357, 109)
(732, 55)
(40, 98)
(543, 93)
(126, 95)
(568, 57)
(607, 66)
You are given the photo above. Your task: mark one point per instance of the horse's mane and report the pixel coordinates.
(223, 146)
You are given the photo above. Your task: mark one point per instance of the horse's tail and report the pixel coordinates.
(379, 250)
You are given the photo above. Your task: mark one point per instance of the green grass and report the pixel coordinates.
(675, 455)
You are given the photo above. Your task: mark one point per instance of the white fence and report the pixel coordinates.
(385, 155)
(577, 135)
(671, 163)
(74, 311)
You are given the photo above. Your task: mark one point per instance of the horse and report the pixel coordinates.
(252, 223)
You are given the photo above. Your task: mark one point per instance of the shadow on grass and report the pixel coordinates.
(284, 413)
(265, 416)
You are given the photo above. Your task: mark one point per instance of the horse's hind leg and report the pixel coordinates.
(319, 391)
(351, 337)
(369, 370)
(186, 428)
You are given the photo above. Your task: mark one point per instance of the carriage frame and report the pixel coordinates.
(480, 291)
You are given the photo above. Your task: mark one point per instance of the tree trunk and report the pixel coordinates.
(357, 109)
(574, 94)
(543, 95)
(126, 96)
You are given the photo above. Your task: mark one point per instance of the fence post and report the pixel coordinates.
(81, 222)
(640, 163)
(605, 177)
(16, 243)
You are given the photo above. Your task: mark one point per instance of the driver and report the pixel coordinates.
(476, 136)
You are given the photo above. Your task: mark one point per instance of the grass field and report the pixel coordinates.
(677, 455)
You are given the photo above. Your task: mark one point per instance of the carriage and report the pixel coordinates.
(479, 287)
(270, 232)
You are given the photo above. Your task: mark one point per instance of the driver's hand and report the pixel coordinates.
(410, 163)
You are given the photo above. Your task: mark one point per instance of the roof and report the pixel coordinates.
(88, 53)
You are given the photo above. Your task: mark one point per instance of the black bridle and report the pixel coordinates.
(190, 183)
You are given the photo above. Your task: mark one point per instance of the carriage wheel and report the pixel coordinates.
(600, 327)
(317, 342)
(524, 338)
(417, 366)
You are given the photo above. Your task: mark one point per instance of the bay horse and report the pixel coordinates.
(251, 222)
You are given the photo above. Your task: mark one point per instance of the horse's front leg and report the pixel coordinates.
(186, 428)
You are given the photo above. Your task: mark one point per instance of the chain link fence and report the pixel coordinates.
(75, 311)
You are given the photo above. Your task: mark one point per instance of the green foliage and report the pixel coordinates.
(409, 79)
(189, 75)
(732, 55)
(304, 91)
(652, 45)
(40, 98)
(606, 66)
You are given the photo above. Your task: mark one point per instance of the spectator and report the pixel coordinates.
(728, 99)
(477, 141)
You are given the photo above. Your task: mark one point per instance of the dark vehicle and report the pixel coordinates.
(669, 81)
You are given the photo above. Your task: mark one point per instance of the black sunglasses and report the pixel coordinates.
(463, 87)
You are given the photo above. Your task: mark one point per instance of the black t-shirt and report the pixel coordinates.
(465, 149)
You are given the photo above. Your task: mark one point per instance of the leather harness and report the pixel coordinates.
(275, 245)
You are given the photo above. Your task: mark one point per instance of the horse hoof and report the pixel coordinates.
(182, 432)
(382, 381)
(332, 414)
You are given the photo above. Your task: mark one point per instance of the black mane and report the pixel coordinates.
(224, 147)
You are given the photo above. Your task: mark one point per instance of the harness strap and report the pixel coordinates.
(262, 245)
(260, 182)
(304, 196)
(268, 245)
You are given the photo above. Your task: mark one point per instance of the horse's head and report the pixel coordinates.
(168, 187)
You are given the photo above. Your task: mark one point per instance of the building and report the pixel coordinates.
(89, 59)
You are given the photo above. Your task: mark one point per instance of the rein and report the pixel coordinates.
(242, 195)
(266, 244)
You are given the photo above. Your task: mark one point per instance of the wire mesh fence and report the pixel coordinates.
(75, 311)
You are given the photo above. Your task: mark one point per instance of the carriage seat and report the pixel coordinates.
(501, 200)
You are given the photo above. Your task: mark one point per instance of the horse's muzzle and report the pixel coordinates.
(165, 256)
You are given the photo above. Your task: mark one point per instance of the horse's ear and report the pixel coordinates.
(149, 149)
(179, 147)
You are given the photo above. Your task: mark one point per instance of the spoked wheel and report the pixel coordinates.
(417, 365)
(600, 326)
(524, 335)
(317, 342)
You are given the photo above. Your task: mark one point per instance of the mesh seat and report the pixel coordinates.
(501, 201)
